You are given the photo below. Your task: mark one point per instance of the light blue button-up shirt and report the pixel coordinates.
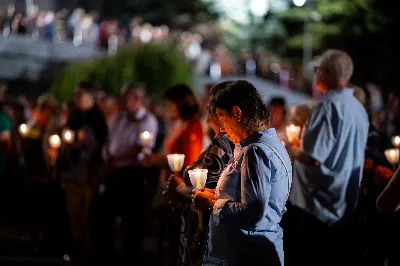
(335, 136)
(251, 195)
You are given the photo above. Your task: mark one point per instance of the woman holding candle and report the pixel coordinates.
(249, 200)
(185, 136)
(214, 159)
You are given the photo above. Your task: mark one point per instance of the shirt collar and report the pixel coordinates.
(257, 137)
(139, 114)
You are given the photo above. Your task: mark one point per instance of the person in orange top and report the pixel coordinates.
(185, 136)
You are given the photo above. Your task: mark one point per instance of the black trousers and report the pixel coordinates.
(124, 198)
(307, 241)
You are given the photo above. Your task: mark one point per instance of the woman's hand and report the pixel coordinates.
(203, 199)
(174, 181)
(295, 143)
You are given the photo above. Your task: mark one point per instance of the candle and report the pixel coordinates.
(23, 130)
(175, 161)
(392, 156)
(68, 136)
(198, 184)
(293, 132)
(146, 138)
(396, 141)
(198, 178)
(54, 141)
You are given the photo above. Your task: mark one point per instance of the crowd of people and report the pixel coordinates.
(97, 174)
(87, 28)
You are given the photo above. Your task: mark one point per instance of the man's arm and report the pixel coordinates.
(389, 199)
(319, 137)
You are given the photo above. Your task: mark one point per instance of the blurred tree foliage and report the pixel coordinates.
(177, 13)
(158, 66)
(366, 29)
(334, 18)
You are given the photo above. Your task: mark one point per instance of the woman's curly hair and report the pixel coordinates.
(243, 94)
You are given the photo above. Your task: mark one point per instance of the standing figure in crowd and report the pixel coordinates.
(185, 136)
(125, 184)
(5, 133)
(249, 200)
(328, 169)
(215, 158)
(81, 163)
(278, 117)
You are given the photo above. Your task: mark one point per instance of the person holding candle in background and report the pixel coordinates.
(185, 136)
(249, 200)
(214, 159)
(80, 165)
(132, 131)
(328, 169)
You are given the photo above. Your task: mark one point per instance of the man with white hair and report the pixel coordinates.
(328, 168)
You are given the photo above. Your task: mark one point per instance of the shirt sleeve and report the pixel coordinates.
(319, 138)
(255, 188)
(214, 162)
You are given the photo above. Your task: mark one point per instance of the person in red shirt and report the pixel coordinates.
(185, 136)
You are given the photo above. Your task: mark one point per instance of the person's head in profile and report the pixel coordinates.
(239, 108)
(334, 71)
(277, 107)
(181, 103)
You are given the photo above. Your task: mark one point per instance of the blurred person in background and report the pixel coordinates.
(278, 117)
(126, 177)
(5, 132)
(81, 164)
(214, 158)
(185, 136)
(328, 169)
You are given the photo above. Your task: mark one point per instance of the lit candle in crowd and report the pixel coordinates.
(68, 136)
(198, 178)
(392, 156)
(396, 141)
(146, 138)
(54, 141)
(23, 130)
(175, 161)
(293, 132)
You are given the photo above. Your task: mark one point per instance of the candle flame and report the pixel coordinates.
(55, 141)
(146, 135)
(23, 128)
(292, 128)
(68, 135)
(397, 140)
